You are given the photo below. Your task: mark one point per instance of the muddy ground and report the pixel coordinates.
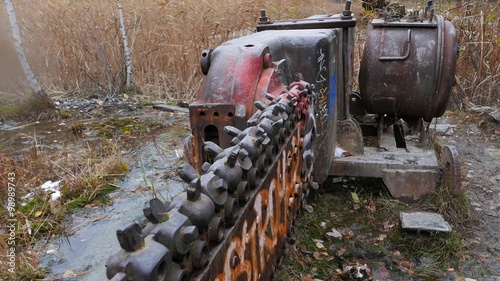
(477, 137)
(81, 255)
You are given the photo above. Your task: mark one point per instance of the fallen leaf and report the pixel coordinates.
(317, 255)
(69, 274)
(334, 233)
(307, 278)
(355, 197)
(309, 209)
(372, 206)
(381, 237)
(308, 260)
(320, 245)
(387, 225)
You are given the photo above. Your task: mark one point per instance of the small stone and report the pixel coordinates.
(496, 115)
(309, 209)
(69, 274)
(424, 221)
(442, 129)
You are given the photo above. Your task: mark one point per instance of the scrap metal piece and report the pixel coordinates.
(154, 210)
(130, 237)
(151, 262)
(199, 234)
(350, 136)
(402, 74)
(424, 221)
(452, 175)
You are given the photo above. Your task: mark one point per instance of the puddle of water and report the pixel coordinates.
(23, 137)
(88, 249)
(94, 238)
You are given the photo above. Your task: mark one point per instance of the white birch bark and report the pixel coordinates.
(33, 83)
(128, 60)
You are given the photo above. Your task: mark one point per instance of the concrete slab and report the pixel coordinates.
(425, 221)
(496, 115)
(409, 185)
(442, 129)
(374, 162)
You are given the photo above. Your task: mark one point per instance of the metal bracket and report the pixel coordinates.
(408, 43)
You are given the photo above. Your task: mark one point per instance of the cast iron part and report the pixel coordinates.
(186, 238)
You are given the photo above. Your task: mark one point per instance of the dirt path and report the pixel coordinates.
(477, 139)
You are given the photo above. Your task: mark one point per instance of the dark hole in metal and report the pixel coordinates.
(211, 133)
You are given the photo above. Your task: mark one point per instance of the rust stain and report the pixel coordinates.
(254, 253)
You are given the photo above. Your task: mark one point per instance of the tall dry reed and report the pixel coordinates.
(478, 68)
(75, 46)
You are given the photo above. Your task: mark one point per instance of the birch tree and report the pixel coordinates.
(16, 35)
(128, 60)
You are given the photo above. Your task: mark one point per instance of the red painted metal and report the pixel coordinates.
(236, 79)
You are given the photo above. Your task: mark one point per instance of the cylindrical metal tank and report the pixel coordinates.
(408, 68)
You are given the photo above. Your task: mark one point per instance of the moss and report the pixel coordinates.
(124, 127)
(64, 114)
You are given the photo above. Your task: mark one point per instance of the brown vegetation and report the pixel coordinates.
(75, 46)
(478, 69)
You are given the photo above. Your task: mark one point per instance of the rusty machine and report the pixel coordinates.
(268, 116)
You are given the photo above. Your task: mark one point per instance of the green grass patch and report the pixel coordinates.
(367, 218)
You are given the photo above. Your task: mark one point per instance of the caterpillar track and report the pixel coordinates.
(234, 218)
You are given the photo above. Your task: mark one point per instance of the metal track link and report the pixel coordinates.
(233, 220)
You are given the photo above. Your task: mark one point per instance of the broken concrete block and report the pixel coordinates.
(409, 185)
(496, 115)
(442, 129)
(424, 221)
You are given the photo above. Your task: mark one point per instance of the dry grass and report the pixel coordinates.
(478, 69)
(85, 177)
(75, 46)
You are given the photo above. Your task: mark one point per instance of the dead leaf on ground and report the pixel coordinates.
(355, 197)
(371, 206)
(334, 233)
(306, 278)
(317, 255)
(388, 225)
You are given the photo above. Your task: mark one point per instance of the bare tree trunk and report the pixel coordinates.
(33, 83)
(128, 61)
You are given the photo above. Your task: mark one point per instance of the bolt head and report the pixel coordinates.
(190, 234)
(193, 193)
(220, 185)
